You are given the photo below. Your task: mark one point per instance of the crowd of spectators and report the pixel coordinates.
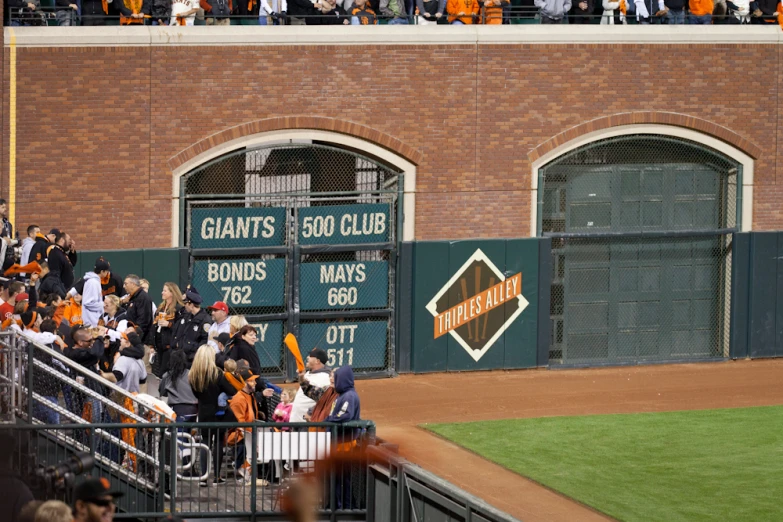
(206, 359)
(370, 12)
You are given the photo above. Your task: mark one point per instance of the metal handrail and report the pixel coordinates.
(84, 371)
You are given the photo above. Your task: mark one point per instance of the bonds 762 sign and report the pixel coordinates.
(241, 283)
(344, 224)
(230, 227)
(344, 285)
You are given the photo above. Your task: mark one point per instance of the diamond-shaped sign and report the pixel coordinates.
(477, 305)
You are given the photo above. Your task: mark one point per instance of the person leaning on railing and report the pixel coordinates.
(430, 11)
(552, 11)
(463, 12)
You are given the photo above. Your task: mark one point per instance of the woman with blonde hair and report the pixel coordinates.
(208, 384)
(236, 323)
(169, 313)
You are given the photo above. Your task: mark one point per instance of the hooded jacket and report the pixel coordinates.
(27, 246)
(347, 407)
(92, 299)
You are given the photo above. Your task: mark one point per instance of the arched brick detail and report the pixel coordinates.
(648, 117)
(298, 123)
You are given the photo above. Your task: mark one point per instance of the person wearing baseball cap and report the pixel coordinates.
(245, 408)
(92, 294)
(93, 501)
(221, 323)
(316, 374)
(193, 328)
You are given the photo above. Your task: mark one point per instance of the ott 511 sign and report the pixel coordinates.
(477, 305)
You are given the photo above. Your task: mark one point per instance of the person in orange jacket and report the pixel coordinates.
(73, 310)
(493, 11)
(700, 12)
(245, 408)
(462, 11)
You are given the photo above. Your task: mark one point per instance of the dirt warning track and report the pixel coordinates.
(399, 405)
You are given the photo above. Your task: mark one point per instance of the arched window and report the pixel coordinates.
(300, 238)
(641, 249)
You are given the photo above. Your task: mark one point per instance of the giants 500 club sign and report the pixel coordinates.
(477, 305)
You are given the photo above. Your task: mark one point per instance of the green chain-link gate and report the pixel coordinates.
(641, 229)
(299, 238)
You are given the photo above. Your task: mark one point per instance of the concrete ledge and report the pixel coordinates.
(116, 36)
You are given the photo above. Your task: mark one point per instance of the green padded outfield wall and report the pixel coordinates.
(157, 265)
(452, 281)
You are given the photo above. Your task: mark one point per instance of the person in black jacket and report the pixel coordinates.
(139, 309)
(93, 12)
(331, 13)
(300, 11)
(208, 383)
(50, 283)
(193, 328)
(243, 347)
(169, 314)
(38, 252)
(111, 285)
(60, 260)
(581, 11)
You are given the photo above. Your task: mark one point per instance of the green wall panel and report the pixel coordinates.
(430, 261)
(516, 340)
(156, 265)
(521, 336)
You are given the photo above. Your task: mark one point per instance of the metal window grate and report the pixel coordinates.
(641, 250)
(299, 238)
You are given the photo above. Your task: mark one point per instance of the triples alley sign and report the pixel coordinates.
(477, 305)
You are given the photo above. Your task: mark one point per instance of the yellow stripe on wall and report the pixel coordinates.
(12, 132)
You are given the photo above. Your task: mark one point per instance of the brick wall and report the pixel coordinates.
(98, 126)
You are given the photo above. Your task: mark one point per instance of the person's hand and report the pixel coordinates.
(427, 15)
(268, 392)
(116, 356)
(59, 342)
(164, 323)
(102, 331)
(307, 417)
(583, 6)
(34, 278)
(73, 6)
(346, 22)
(438, 15)
(460, 14)
(32, 8)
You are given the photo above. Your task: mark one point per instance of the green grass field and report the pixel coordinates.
(689, 465)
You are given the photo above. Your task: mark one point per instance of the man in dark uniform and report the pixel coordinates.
(193, 329)
(139, 308)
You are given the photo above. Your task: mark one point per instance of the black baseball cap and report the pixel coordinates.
(224, 338)
(54, 232)
(101, 264)
(319, 354)
(92, 490)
